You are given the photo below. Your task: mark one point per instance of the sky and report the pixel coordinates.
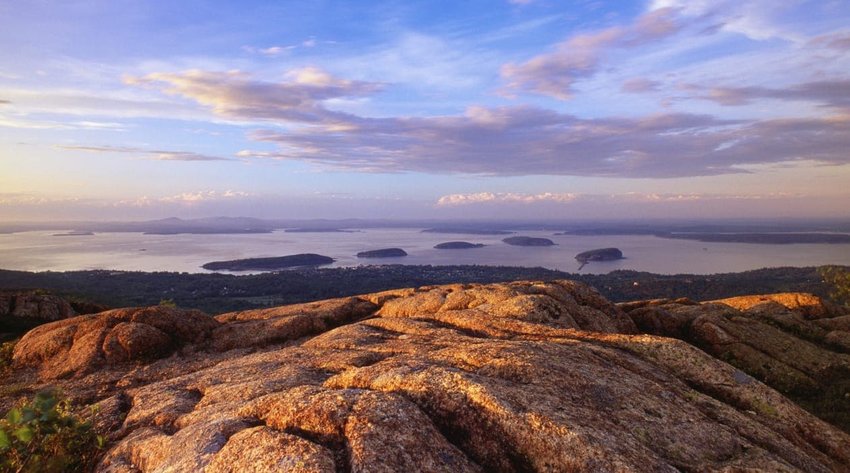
(511, 109)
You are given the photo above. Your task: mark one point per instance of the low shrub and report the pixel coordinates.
(6, 350)
(45, 436)
(839, 279)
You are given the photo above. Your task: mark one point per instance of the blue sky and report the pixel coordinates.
(510, 109)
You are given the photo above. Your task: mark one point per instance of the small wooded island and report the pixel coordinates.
(457, 245)
(601, 254)
(269, 264)
(382, 253)
(528, 241)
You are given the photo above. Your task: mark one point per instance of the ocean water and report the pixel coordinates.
(41, 251)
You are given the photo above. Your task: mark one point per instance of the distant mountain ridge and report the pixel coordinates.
(225, 224)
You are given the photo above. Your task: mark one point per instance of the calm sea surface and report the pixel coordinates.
(41, 251)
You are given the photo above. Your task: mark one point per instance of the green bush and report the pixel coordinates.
(167, 303)
(839, 279)
(44, 436)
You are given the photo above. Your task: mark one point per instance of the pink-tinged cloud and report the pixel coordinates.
(838, 41)
(235, 95)
(521, 140)
(555, 73)
(830, 93)
(528, 141)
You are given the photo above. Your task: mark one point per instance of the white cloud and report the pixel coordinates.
(498, 198)
(502, 197)
(204, 196)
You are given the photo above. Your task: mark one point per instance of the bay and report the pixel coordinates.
(42, 251)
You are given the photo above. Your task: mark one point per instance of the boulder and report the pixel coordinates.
(80, 345)
(34, 306)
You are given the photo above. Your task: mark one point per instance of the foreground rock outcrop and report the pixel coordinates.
(80, 345)
(796, 343)
(504, 377)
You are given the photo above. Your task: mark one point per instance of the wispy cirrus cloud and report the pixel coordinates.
(639, 85)
(277, 50)
(155, 155)
(270, 51)
(29, 199)
(23, 122)
(580, 56)
(755, 19)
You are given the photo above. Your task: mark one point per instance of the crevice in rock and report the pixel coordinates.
(764, 353)
(762, 443)
(447, 325)
(337, 446)
(463, 429)
(454, 437)
(383, 330)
